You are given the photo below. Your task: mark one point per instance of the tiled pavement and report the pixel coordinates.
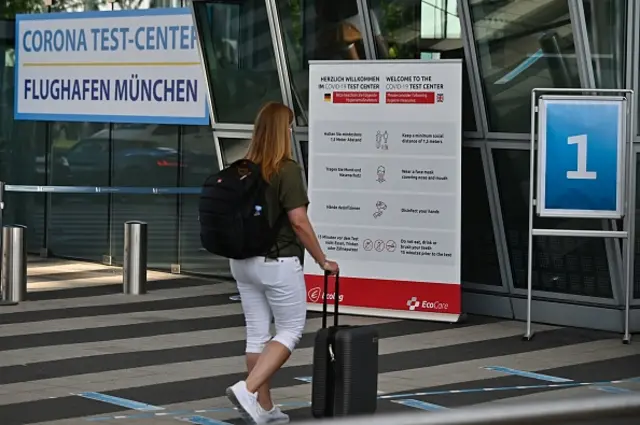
(178, 347)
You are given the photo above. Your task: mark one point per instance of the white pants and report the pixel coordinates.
(271, 288)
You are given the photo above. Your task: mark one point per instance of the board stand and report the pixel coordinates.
(626, 184)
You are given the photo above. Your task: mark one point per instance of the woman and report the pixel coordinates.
(341, 31)
(273, 285)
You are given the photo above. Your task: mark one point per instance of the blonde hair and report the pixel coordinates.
(271, 140)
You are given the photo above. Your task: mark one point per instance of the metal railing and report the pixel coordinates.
(591, 410)
(13, 264)
(125, 190)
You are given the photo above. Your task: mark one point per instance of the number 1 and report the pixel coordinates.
(581, 173)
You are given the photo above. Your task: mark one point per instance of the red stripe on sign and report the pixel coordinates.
(388, 294)
(410, 97)
(356, 97)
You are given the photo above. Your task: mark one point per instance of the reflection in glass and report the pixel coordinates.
(239, 58)
(80, 154)
(606, 29)
(521, 45)
(304, 148)
(415, 29)
(233, 149)
(315, 30)
(146, 155)
(198, 155)
(575, 266)
(197, 144)
(79, 223)
(479, 254)
(325, 29)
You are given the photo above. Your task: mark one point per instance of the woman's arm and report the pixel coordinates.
(302, 227)
(294, 200)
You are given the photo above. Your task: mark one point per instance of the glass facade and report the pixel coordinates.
(575, 266)
(480, 260)
(91, 226)
(608, 49)
(259, 50)
(521, 45)
(239, 56)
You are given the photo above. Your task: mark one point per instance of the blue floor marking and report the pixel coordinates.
(201, 420)
(526, 374)
(417, 404)
(122, 402)
(477, 390)
(613, 390)
(185, 413)
(513, 388)
(309, 379)
(521, 67)
(549, 378)
(175, 413)
(601, 384)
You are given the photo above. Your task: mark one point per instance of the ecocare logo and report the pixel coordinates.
(315, 295)
(413, 303)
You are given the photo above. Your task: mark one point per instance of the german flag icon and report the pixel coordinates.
(327, 97)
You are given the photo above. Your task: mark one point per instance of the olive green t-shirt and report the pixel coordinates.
(286, 192)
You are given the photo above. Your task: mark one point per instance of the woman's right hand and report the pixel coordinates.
(331, 267)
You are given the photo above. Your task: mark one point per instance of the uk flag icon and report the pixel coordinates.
(440, 98)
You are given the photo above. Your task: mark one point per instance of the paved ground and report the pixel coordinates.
(169, 355)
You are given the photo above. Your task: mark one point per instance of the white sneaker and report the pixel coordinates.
(275, 416)
(247, 403)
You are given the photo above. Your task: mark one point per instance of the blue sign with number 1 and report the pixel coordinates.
(581, 142)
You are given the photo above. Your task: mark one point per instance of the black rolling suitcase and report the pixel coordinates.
(345, 366)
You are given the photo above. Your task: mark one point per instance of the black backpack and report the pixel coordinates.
(234, 214)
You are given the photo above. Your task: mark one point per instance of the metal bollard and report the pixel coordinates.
(13, 276)
(3, 295)
(134, 269)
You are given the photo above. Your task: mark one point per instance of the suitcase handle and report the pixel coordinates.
(324, 299)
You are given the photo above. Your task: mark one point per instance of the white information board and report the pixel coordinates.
(128, 66)
(385, 185)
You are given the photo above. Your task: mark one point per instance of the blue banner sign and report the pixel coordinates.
(581, 156)
(129, 66)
